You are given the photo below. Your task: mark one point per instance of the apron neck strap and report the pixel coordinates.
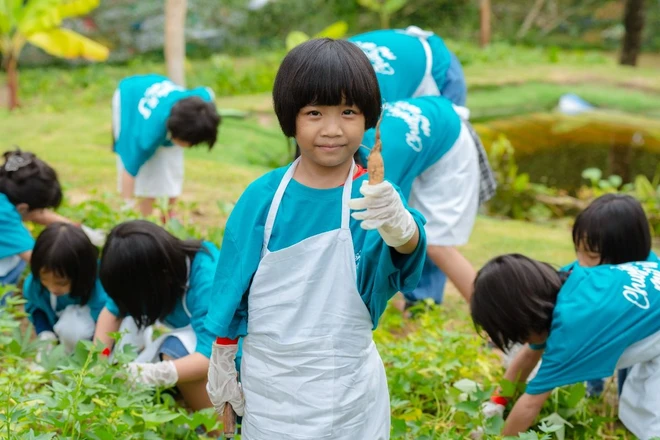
(275, 204)
(184, 298)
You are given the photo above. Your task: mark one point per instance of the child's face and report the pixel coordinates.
(585, 257)
(329, 135)
(55, 284)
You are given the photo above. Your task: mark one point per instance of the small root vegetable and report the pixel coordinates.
(229, 421)
(375, 165)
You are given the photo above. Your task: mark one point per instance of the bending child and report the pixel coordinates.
(613, 229)
(151, 276)
(304, 280)
(63, 293)
(591, 321)
(429, 153)
(153, 120)
(29, 189)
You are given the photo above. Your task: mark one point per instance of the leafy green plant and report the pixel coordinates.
(516, 195)
(38, 22)
(335, 30)
(384, 8)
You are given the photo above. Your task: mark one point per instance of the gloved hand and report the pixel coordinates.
(51, 339)
(96, 236)
(490, 409)
(384, 211)
(128, 205)
(159, 374)
(223, 383)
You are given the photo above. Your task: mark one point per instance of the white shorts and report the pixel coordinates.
(447, 194)
(160, 176)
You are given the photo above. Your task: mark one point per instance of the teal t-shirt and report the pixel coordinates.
(651, 258)
(399, 60)
(145, 105)
(303, 212)
(14, 236)
(600, 312)
(415, 134)
(38, 298)
(198, 299)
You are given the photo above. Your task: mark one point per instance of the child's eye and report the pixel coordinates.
(350, 111)
(314, 113)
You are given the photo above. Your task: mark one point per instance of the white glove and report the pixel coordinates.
(384, 210)
(159, 374)
(477, 434)
(223, 383)
(96, 236)
(490, 409)
(46, 336)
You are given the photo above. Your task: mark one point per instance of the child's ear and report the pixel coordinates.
(23, 209)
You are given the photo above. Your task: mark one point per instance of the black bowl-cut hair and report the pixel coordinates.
(325, 72)
(65, 250)
(24, 178)
(514, 297)
(195, 121)
(144, 271)
(615, 226)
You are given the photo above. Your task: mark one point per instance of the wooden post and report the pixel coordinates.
(175, 40)
(633, 21)
(485, 23)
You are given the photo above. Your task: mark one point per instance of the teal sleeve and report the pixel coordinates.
(239, 258)
(112, 307)
(14, 237)
(382, 271)
(98, 300)
(37, 298)
(200, 297)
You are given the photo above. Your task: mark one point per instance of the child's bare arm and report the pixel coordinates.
(524, 412)
(523, 364)
(106, 324)
(192, 368)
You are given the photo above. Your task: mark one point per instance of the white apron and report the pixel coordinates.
(428, 86)
(639, 404)
(310, 368)
(74, 323)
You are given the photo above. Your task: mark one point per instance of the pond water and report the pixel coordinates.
(554, 149)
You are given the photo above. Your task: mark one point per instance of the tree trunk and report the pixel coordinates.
(485, 23)
(633, 21)
(175, 40)
(11, 64)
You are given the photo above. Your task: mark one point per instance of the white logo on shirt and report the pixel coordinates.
(153, 94)
(417, 123)
(639, 273)
(357, 258)
(377, 56)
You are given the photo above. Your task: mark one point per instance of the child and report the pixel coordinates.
(411, 63)
(63, 293)
(591, 321)
(152, 119)
(306, 283)
(28, 187)
(151, 276)
(429, 153)
(613, 229)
